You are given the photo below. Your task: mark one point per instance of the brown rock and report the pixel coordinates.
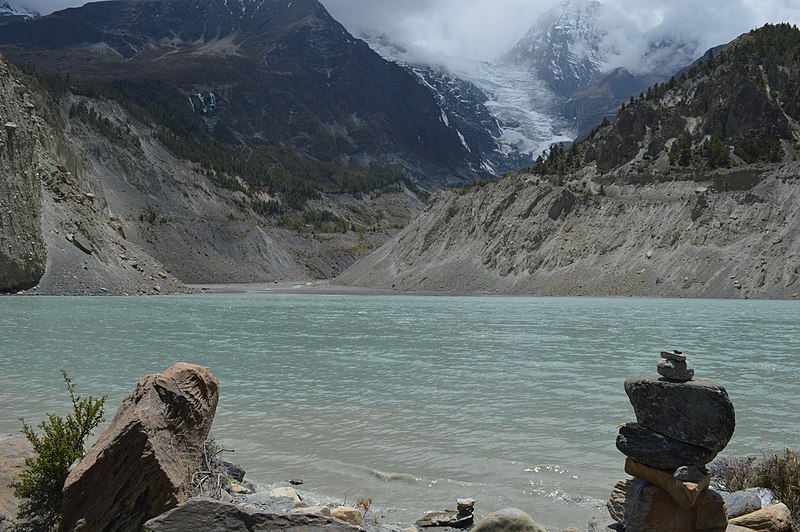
(13, 452)
(142, 465)
(654, 510)
(82, 243)
(348, 514)
(775, 518)
(709, 512)
(683, 493)
(237, 488)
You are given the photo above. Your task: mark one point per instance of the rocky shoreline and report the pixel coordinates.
(155, 468)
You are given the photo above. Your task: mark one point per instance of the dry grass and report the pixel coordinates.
(779, 472)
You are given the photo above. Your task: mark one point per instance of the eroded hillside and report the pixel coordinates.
(119, 213)
(525, 236)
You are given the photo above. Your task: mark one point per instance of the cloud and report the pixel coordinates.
(485, 29)
(478, 29)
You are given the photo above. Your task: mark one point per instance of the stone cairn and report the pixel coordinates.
(681, 425)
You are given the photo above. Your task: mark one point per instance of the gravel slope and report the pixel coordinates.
(673, 239)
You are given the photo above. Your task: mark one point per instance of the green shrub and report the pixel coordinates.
(56, 449)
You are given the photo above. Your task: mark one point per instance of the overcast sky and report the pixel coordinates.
(484, 29)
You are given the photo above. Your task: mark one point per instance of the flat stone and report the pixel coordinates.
(775, 518)
(689, 474)
(647, 508)
(82, 243)
(209, 514)
(508, 520)
(465, 504)
(312, 510)
(659, 451)
(685, 494)
(698, 412)
(741, 502)
(675, 355)
(285, 491)
(677, 371)
(446, 519)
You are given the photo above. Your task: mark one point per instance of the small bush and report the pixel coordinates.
(56, 449)
(778, 472)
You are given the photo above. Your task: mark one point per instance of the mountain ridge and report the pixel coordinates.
(314, 86)
(635, 209)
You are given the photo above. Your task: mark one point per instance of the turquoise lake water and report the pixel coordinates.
(415, 400)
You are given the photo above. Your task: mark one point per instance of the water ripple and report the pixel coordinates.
(415, 400)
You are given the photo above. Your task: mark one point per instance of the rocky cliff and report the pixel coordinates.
(22, 250)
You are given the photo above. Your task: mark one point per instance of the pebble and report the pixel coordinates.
(465, 505)
(689, 474)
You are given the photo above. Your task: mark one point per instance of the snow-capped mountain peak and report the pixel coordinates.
(9, 11)
(564, 46)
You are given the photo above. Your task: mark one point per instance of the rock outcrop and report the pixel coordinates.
(142, 465)
(211, 514)
(22, 250)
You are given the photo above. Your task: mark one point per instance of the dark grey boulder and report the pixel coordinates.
(656, 450)
(210, 514)
(235, 471)
(698, 412)
(740, 503)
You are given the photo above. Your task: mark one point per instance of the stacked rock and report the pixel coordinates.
(681, 425)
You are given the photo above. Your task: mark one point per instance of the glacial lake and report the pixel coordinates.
(414, 400)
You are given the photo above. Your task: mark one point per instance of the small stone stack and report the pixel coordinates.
(681, 425)
(462, 517)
